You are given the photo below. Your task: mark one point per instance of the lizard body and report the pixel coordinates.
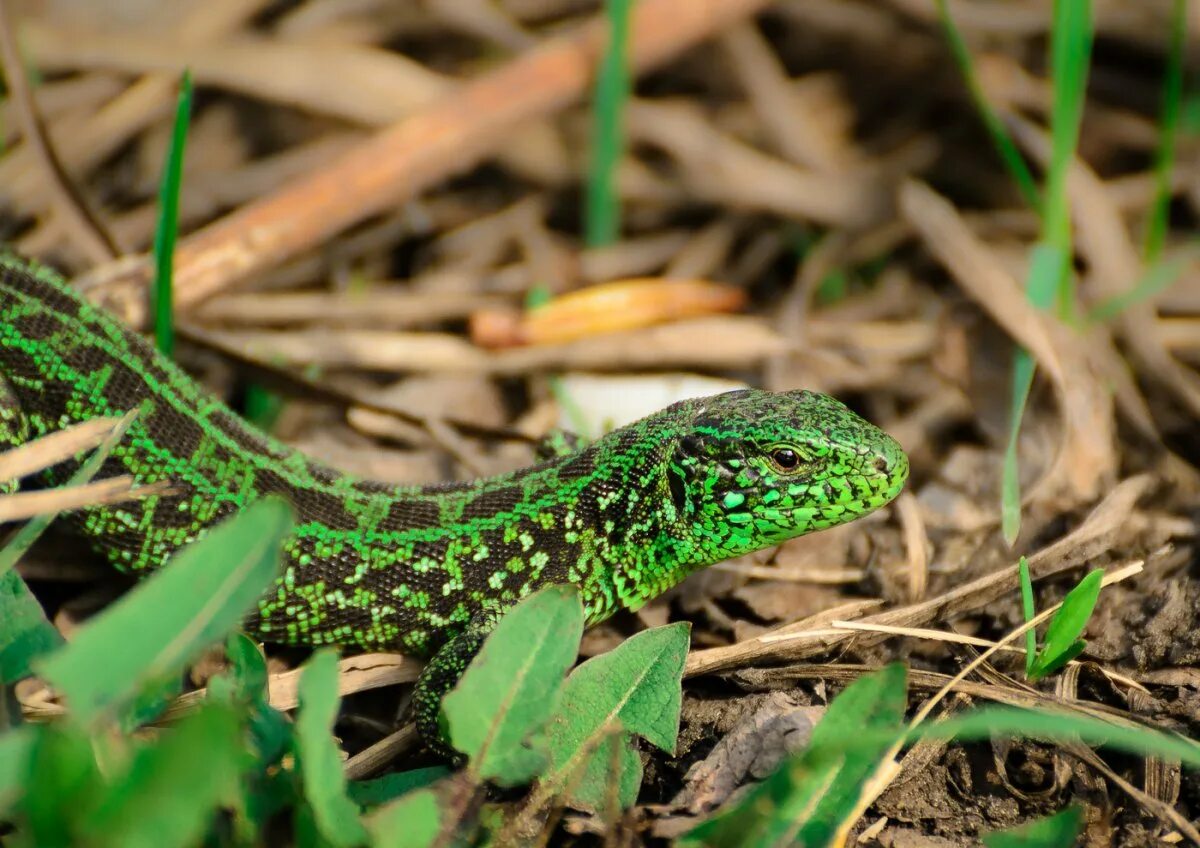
(412, 567)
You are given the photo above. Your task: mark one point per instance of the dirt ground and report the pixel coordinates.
(371, 190)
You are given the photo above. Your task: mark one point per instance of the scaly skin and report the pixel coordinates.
(378, 565)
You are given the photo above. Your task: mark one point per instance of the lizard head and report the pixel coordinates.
(751, 468)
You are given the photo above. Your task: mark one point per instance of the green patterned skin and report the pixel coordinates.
(383, 566)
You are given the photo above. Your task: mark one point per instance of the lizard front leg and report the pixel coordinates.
(439, 676)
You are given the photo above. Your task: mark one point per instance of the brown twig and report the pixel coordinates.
(82, 226)
(452, 134)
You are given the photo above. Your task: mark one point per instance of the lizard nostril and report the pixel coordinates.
(881, 465)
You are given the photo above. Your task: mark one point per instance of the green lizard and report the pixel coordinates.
(427, 570)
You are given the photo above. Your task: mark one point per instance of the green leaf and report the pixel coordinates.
(334, 815)
(498, 711)
(150, 701)
(25, 632)
(172, 789)
(15, 749)
(1056, 831)
(805, 800)
(244, 684)
(1062, 643)
(171, 617)
(382, 790)
(875, 702)
(62, 783)
(411, 822)
(632, 689)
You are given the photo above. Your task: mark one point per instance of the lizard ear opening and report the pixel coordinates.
(678, 488)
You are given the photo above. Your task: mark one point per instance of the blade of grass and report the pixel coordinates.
(1028, 609)
(1164, 162)
(1070, 51)
(1003, 142)
(1050, 280)
(168, 221)
(603, 220)
(1158, 278)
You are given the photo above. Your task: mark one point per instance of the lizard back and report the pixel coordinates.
(368, 563)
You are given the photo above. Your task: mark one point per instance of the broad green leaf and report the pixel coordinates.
(632, 689)
(812, 792)
(1056, 831)
(382, 790)
(411, 822)
(167, 620)
(15, 748)
(244, 684)
(62, 783)
(334, 815)
(873, 702)
(1062, 643)
(173, 788)
(25, 632)
(498, 711)
(150, 701)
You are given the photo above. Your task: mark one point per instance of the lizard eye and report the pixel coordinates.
(785, 459)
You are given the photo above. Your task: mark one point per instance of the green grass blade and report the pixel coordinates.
(1018, 169)
(1048, 266)
(1164, 162)
(1070, 51)
(1157, 278)
(1050, 279)
(603, 215)
(168, 222)
(1029, 611)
